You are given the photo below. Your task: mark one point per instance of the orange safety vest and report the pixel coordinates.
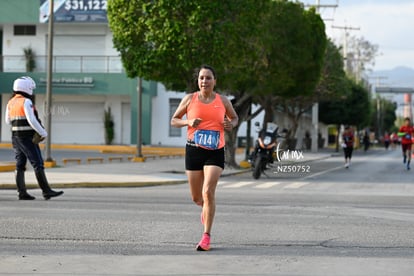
(19, 122)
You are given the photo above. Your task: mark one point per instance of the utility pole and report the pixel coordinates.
(49, 162)
(318, 5)
(345, 45)
(138, 156)
(315, 107)
(379, 109)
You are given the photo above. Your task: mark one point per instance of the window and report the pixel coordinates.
(173, 131)
(24, 30)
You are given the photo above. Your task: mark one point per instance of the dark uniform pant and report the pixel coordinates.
(25, 149)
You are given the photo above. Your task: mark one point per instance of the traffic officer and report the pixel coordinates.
(27, 132)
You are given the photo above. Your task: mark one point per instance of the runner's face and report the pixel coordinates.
(206, 80)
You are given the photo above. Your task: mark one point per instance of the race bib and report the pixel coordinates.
(207, 138)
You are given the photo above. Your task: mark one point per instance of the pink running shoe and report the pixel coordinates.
(204, 244)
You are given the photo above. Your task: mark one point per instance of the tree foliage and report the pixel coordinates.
(292, 44)
(289, 71)
(383, 115)
(352, 109)
(264, 51)
(332, 85)
(165, 40)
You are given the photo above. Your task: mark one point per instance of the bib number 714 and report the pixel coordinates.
(207, 138)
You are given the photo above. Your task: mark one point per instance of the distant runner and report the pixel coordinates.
(348, 145)
(406, 133)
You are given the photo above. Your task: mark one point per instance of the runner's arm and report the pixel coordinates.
(231, 114)
(177, 119)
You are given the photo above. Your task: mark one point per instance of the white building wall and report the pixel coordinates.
(67, 124)
(13, 45)
(69, 40)
(5, 129)
(305, 124)
(160, 120)
(75, 121)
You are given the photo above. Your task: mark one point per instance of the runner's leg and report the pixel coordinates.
(408, 156)
(195, 180)
(211, 176)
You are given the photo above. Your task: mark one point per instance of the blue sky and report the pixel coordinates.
(387, 23)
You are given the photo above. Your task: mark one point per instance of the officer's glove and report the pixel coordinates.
(37, 138)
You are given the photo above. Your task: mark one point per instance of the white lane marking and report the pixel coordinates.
(267, 185)
(296, 185)
(239, 184)
(322, 172)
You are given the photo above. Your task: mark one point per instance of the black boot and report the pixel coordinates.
(44, 185)
(21, 186)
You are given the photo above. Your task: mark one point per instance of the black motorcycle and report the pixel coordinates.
(264, 150)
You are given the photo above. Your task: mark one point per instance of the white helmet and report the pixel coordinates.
(24, 84)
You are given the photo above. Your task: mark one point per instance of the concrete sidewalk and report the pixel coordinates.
(160, 171)
(119, 174)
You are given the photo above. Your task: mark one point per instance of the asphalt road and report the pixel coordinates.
(325, 221)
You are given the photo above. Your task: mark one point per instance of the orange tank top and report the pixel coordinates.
(210, 132)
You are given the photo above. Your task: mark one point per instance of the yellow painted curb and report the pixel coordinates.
(138, 159)
(245, 164)
(7, 166)
(49, 164)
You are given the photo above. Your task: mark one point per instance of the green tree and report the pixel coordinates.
(358, 106)
(109, 126)
(383, 115)
(165, 40)
(30, 59)
(334, 87)
(333, 84)
(289, 71)
(354, 108)
(255, 46)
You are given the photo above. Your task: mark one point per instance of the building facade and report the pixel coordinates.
(88, 77)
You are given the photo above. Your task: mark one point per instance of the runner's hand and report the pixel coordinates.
(194, 122)
(227, 124)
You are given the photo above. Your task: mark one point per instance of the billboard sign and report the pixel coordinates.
(74, 11)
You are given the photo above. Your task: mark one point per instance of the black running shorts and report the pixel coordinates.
(196, 158)
(348, 152)
(405, 147)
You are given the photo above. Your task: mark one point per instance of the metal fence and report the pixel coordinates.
(64, 64)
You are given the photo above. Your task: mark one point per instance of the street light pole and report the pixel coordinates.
(248, 134)
(138, 156)
(49, 86)
(315, 112)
